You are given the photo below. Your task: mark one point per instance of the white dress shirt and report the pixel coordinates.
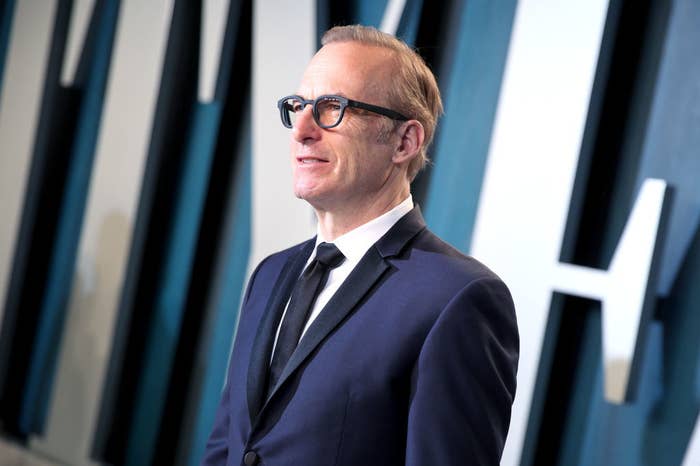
(353, 244)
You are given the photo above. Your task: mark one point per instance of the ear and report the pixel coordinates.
(411, 135)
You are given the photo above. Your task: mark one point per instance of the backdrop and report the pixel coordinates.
(144, 172)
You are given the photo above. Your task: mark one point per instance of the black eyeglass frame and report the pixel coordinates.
(344, 103)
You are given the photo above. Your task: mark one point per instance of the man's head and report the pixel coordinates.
(412, 91)
(386, 109)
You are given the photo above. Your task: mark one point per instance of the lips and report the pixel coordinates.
(309, 160)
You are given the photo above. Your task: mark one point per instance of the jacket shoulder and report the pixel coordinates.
(278, 259)
(445, 259)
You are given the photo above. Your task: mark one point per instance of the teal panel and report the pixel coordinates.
(164, 331)
(616, 435)
(655, 427)
(668, 427)
(410, 21)
(671, 152)
(7, 9)
(95, 68)
(589, 364)
(370, 12)
(470, 98)
(540, 394)
(221, 323)
(619, 435)
(597, 432)
(672, 147)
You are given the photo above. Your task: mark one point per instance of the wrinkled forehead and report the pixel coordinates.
(355, 70)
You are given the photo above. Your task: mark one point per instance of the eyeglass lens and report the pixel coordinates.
(327, 112)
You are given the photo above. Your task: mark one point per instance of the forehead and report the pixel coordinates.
(350, 68)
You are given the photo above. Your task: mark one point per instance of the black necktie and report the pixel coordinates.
(306, 290)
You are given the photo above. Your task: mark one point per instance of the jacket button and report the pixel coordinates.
(250, 458)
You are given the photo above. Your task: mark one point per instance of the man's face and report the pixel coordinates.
(348, 166)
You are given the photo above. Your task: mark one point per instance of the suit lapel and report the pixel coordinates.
(367, 272)
(261, 351)
(370, 269)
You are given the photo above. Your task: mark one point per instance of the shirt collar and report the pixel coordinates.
(355, 243)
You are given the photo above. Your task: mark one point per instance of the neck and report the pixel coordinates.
(336, 222)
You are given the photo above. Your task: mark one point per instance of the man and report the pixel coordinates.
(375, 343)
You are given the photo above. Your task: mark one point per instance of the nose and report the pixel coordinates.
(305, 128)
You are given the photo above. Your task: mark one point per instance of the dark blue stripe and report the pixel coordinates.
(7, 9)
(53, 309)
(171, 296)
(221, 323)
(410, 21)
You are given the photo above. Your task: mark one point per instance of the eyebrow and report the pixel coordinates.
(340, 93)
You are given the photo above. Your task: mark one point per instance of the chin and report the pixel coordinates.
(314, 199)
(306, 191)
(304, 194)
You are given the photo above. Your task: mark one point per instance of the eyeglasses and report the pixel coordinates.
(328, 110)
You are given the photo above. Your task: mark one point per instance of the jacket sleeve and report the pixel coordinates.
(463, 383)
(216, 451)
(217, 446)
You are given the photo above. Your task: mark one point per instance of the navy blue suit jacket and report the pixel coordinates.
(413, 361)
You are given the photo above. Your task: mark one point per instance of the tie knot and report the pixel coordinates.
(329, 255)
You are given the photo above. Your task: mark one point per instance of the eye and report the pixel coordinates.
(295, 106)
(328, 104)
(329, 111)
(333, 104)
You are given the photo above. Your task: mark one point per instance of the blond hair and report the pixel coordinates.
(415, 92)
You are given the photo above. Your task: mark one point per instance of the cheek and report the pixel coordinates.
(293, 148)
